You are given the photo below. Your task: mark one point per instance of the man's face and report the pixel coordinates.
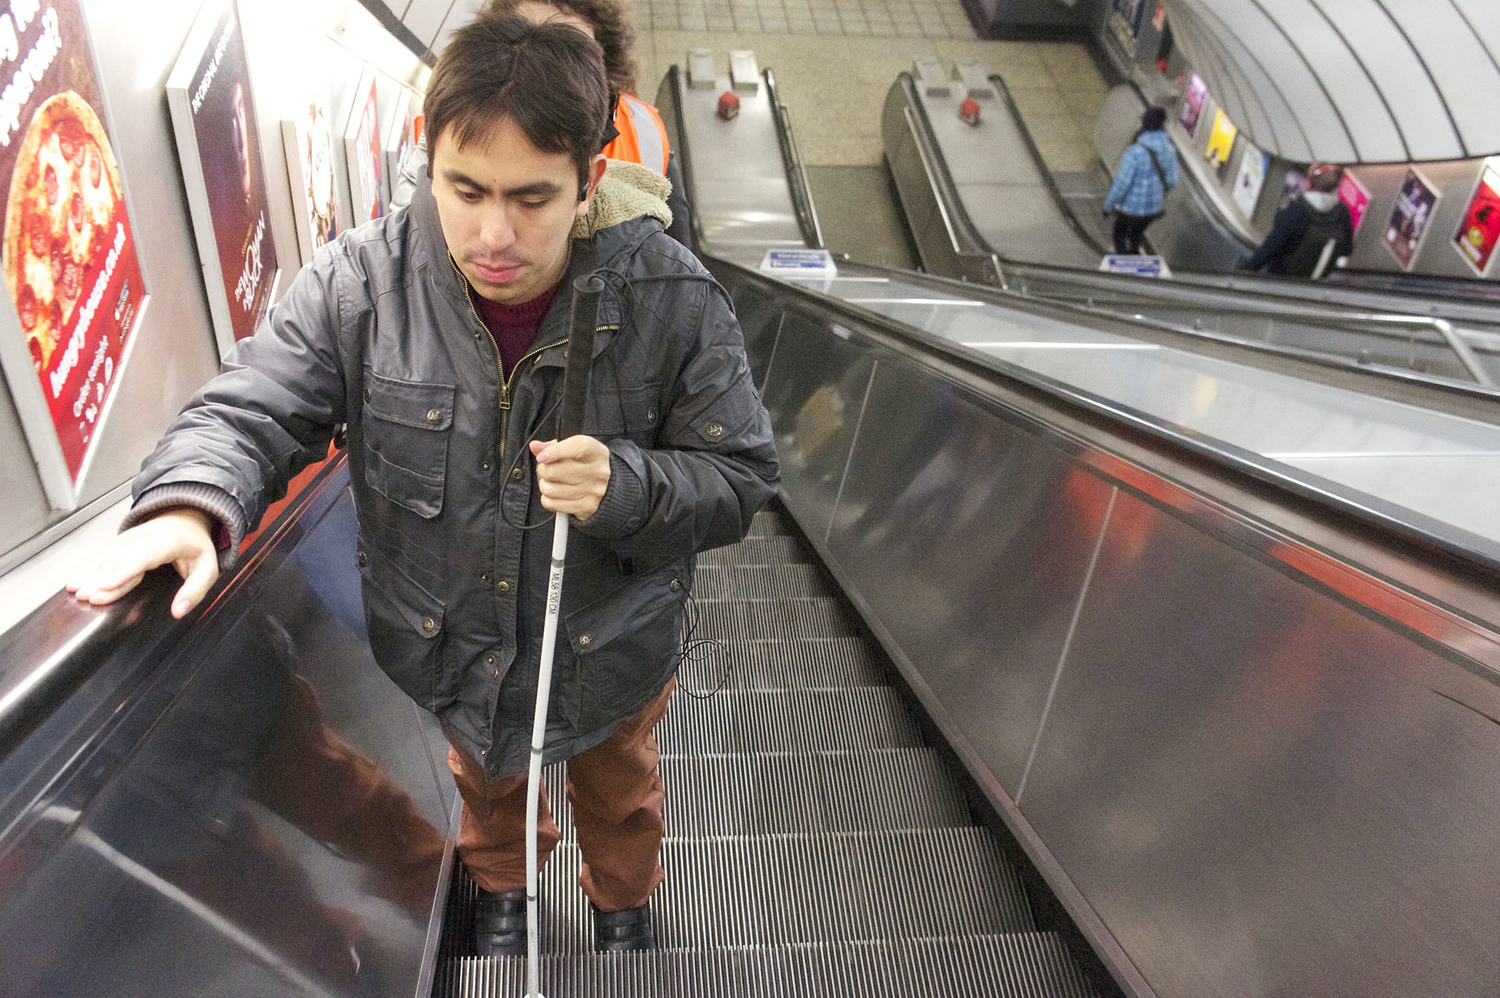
(507, 210)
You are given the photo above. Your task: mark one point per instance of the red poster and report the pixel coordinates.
(1355, 198)
(1480, 229)
(69, 257)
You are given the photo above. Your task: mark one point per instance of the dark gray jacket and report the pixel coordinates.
(378, 333)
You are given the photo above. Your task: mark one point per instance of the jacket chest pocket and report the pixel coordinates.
(631, 413)
(406, 430)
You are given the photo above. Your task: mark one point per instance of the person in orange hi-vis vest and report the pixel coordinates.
(638, 135)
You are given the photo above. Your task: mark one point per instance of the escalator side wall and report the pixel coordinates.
(1241, 779)
(269, 815)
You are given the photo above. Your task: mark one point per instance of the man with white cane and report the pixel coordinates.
(438, 334)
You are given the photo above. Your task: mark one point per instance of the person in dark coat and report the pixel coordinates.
(437, 335)
(1304, 227)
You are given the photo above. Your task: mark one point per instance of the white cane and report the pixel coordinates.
(580, 353)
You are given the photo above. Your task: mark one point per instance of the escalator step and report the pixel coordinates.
(785, 795)
(787, 721)
(805, 617)
(721, 796)
(778, 550)
(770, 523)
(768, 664)
(1021, 965)
(796, 889)
(723, 582)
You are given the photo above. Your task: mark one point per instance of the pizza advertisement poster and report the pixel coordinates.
(218, 143)
(1251, 178)
(1409, 217)
(1220, 139)
(1193, 97)
(363, 153)
(1480, 229)
(69, 253)
(308, 139)
(1356, 198)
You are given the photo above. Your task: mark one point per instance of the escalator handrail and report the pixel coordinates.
(802, 200)
(962, 231)
(1409, 526)
(1333, 318)
(1044, 171)
(56, 648)
(672, 84)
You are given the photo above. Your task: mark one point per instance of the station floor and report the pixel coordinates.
(835, 60)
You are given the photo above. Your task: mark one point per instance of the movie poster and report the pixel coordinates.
(363, 154)
(1125, 22)
(1251, 178)
(69, 254)
(1409, 218)
(218, 141)
(309, 162)
(1355, 198)
(1192, 102)
(1480, 229)
(1221, 139)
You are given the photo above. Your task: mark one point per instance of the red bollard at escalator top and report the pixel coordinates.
(729, 105)
(968, 111)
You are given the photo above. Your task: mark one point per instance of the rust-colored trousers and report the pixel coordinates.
(617, 798)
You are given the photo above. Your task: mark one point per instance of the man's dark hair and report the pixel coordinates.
(546, 78)
(1324, 177)
(611, 30)
(1153, 119)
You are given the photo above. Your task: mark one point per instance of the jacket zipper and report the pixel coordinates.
(499, 362)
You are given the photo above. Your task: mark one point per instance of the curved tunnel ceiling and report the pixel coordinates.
(1354, 81)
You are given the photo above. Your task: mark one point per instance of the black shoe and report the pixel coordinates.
(500, 923)
(623, 931)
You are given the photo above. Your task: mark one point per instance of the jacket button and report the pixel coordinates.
(715, 430)
(674, 585)
(429, 625)
(485, 465)
(367, 396)
(517, 474)
(505, 587)
(360, 559)
(584, 641)
(650, 415)
(434, 417)
(484, 577)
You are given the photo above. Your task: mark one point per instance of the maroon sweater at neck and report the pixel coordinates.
(513, 326)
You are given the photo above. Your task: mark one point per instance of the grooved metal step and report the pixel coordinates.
(778, 550)
(790, 889)
(718, 582)
(816, 847)
(802, 617)
(787, 721)
(1019, 965)
(771, 664)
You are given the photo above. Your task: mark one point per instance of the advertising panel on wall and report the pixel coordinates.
(309, 162)
(69, 253)
(400, 136)
(1251, 178)
(1480, 228)
(1125, 23)
(363, 153)
(1220, 139)
(1409, 218)
(1193, 96)
(1355, 197)
(218, 143)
